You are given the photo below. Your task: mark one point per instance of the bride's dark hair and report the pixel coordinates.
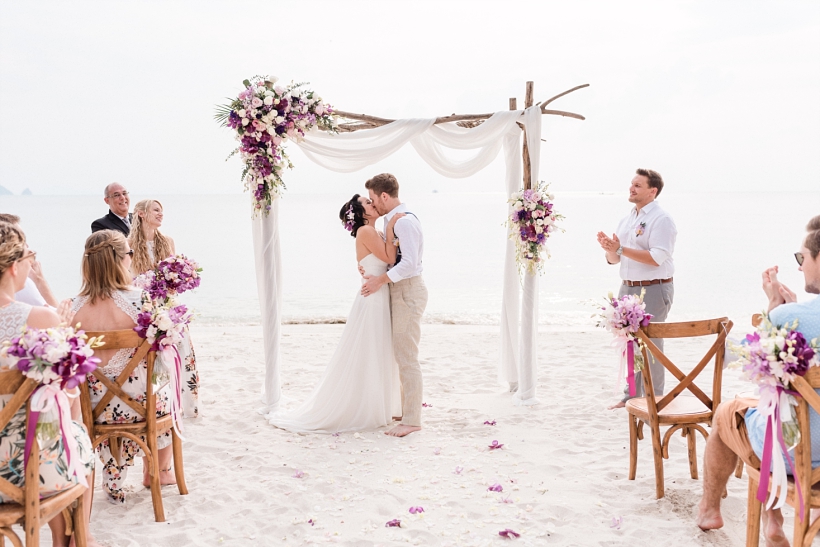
(352, 215)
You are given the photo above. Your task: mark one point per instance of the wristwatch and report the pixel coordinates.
(620, 250)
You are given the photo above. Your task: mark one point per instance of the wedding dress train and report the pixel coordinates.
(360, 387)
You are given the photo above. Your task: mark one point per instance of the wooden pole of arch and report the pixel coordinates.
(528, 98)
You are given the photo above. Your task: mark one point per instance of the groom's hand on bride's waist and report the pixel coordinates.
(373, 284)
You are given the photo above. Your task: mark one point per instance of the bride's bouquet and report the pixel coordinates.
(264, 116)
(531, 221)
(623, 317)
(59, 359)
(772, 358)
(174, 275)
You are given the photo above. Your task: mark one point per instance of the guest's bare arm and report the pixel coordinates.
(36, 275)
(172, 245)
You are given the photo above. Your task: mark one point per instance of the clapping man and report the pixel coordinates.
(118, 217)
(643, 246)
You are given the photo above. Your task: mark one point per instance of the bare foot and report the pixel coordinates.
(402, 430)
(773, 529)
(619, 404)
(89, 541)
(165, 478)
(709, 519)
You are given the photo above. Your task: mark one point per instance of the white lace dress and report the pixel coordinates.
(360, 388)
(54, 475)
(117, 412)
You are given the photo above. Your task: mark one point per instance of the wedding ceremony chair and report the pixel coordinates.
(804, 531)
(756, 320)
(28, 509)
(688, 413)
(143, 433)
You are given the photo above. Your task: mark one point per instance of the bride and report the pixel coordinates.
(360, 387)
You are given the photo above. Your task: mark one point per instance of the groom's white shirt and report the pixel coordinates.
(408, 230)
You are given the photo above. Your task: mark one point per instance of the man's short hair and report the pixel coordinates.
(813, 237)
(11, 219)
(108, 186)
(383, 183)
(655, 179)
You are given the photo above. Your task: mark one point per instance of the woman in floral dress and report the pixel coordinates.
(15, 263)
(107, 301)
(150, 247)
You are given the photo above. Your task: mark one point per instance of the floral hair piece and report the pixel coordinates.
(351, 219)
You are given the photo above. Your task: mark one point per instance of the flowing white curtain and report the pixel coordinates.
(348, 152)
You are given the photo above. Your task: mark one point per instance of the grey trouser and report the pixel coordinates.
(658, 300)
(408, 298)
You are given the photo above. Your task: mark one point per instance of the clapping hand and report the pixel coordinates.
(65, 312)
(609, 244)
(776, 292)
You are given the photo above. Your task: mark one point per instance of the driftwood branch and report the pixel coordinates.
(567, 92)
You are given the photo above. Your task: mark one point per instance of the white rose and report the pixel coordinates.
(164, 323)
(539, 222)
(245, 121)
(242, 113)
(539, 230)
(536, 196)
(273, 79)
(279, 89)
(268, 100)
(280, 119)
(319, 110)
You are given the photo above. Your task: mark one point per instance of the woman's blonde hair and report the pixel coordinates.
(103, 269)
(142, 261)
(12, 245)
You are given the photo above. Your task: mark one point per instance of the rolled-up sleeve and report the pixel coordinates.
(662, 240)
(409, 235)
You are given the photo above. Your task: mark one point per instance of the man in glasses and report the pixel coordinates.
(738, 429)
(118, 217)
(643, 245)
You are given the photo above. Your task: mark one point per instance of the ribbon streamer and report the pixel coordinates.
(44, 399)
(625, 346)
(169, 355)
(771, 405)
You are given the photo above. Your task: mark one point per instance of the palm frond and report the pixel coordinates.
(222, 113)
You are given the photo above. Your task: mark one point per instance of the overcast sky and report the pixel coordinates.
(716, 95)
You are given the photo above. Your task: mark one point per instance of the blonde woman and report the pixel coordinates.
(107, 301)
(150, 247)
(15, 263)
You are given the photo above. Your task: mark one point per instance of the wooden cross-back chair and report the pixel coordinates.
(804, 531)
(144, 433)
(27, 508)
(680, 413)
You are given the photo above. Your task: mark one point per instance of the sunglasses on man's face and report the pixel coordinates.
(799, 258)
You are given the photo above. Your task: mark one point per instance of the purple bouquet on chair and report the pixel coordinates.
(623, 317)
(772, 358)
(58, 359)
(174, 275)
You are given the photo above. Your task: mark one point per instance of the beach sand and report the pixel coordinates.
(563, 467)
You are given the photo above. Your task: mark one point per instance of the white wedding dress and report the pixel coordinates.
(360, 388)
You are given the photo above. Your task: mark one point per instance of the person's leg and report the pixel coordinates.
(166, 470)
(408, 301)
(719, 462)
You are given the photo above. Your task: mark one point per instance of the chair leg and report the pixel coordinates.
(657, 452)
(633, 446)
(80, 528)
(156, 488)
(693, 453)
(739, 468)
(179, 470)
(752, 516)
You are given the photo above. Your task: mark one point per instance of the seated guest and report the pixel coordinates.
(15, 263)
(36, 292)
(118, 217)
(107, 301)
(151, 246)
(738, 429)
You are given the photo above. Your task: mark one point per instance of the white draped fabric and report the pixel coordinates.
(348, 152)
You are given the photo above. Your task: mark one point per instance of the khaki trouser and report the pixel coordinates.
(408, 298)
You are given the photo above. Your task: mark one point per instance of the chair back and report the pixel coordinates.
(809, 398)
(12, 382)
(688, 329)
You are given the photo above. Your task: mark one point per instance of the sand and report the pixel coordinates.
(562, 468)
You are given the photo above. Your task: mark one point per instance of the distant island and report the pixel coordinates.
(5, 191)
(26, 192)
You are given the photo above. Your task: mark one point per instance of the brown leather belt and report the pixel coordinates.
(646, 283)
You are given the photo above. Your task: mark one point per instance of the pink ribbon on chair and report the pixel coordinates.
(630, 369)
(44, 399)
(770, 405)
(170, 355)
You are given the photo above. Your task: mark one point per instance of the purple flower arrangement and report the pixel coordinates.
(162, 322)
(623, 317)
(772, 358)
(174, 275)
(58, 355)
(531, 221)
(264, 116)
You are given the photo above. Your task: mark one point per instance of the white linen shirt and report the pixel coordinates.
(30, 295)
(411, 241)
(653, 230)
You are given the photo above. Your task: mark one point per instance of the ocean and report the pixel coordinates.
(724, 242)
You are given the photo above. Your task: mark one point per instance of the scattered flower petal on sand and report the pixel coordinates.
(487, 422)
(425, 405)
(495, 445)
(395, 523)
(437, 451)
(496, 488)
(416, 510)
(509, 534)
(298, 474)
(617, 522)
(458, 470)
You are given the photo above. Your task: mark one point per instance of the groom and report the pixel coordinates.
(408, 296)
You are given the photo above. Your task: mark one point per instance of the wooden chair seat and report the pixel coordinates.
(791, 495)
(14, 513)
(680, 410)
(687, 414)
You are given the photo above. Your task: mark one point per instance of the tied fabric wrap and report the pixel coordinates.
(44, 399)
(772, 403)
(626, 346)
(170, 356)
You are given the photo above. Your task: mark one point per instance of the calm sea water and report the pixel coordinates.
(725, 240)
